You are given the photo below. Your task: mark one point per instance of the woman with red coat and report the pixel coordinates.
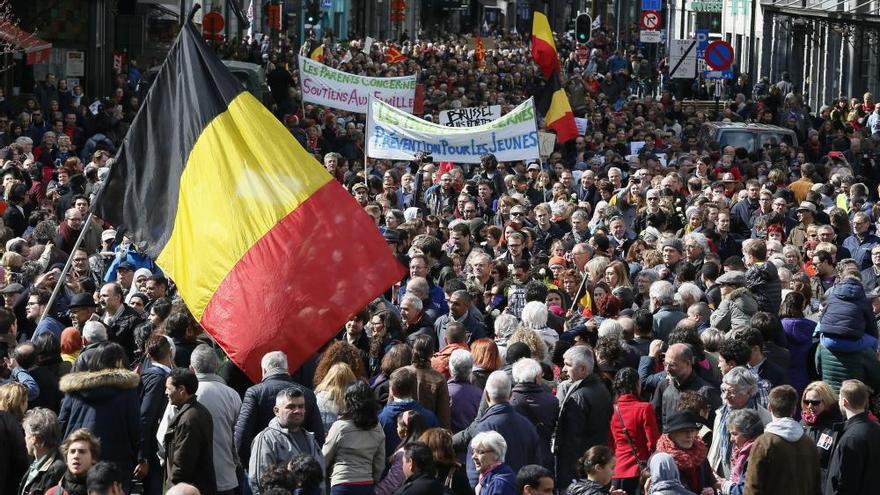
(634, 431)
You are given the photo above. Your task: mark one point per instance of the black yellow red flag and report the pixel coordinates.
(268, 251)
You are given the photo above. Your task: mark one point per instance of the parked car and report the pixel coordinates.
(752, 137)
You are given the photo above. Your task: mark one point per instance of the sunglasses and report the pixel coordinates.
(812, 402)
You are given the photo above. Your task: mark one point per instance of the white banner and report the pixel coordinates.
(395, 135)
(470, 117)
(333, 88)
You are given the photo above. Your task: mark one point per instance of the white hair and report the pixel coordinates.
(505, 325)
(460, 364)
(491, 440)
(699, 239)
(498, 386)
(581, 355)
(690, 293)
(526, 370)
(611, 328)
(534, 315)
(414, 301)
(94, 332)
(203, 359)
(273, 361)
(663, 292)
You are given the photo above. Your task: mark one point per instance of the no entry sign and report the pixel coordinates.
(650, 20)
(719, 55)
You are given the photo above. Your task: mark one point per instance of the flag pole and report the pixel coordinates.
(366, 144)
(86, 225)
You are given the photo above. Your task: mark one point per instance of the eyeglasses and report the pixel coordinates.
(812, 402)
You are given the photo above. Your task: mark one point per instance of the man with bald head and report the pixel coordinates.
(680, 376)
(421, 289)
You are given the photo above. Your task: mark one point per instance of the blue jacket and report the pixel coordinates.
(499, 481)
(847, 311)
(388, 419)
(153, 403)
(523, 444)
(106, 403)
(861, 250)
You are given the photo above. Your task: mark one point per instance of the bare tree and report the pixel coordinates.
(9, 43)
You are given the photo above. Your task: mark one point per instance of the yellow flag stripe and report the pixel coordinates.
(244, 174)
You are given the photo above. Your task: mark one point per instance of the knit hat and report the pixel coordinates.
(557, 260)
(673, 243)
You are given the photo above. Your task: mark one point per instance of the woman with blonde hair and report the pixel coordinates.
(818, 415)
(331, 392)
(13, 403)
(596, 268)
(617, 275)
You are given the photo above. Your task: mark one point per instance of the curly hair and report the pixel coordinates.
(360, 406)
(340, 352)
(532, 339)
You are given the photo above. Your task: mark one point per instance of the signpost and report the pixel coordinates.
(650, 20)
(702, 37)
(719, 55)
(718, 74)
(582, 54)
(682, 59)
(649, 36)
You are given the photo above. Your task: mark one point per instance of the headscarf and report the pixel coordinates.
(664, 475)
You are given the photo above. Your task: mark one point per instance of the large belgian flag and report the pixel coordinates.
(551, 101)
(268, 251)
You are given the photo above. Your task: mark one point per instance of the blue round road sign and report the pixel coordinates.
(719, 55)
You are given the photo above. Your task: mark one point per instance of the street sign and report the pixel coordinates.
(326, 4)
(702, 37)
(650, 20)
(649, 36)
(682, 59)
(652, 4)
(719, 55)
(718, 74)
(582, 54)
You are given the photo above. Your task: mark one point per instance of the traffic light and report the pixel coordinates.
(313, 12)
(582, 27)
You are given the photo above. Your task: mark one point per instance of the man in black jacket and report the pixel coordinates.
(584, 413)
(153, 402)
(418, 464)
(189, 440)
(259, 401)
(120, 319)
(855, 461)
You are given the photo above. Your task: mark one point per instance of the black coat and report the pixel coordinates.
(122, 330)
(50, 395)
(824, 426)
(13, 455)
(584, 416)
(541, 408)
(15, 220)
(153, 403)
(420, 484)
(106, 403)
(855, 461)
(189, 452)
(256, 411)
(51, 471)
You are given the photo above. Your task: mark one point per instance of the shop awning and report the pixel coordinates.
(35, 49)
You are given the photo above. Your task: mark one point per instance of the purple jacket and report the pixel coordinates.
(799, 334)
(464, 401)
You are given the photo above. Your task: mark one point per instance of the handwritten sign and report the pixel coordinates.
(470, 117)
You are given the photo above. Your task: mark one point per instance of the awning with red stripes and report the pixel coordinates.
(36, 50)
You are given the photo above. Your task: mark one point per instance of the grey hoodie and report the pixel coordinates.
(790, 430)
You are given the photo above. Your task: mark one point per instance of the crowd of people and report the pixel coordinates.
(685, 319)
